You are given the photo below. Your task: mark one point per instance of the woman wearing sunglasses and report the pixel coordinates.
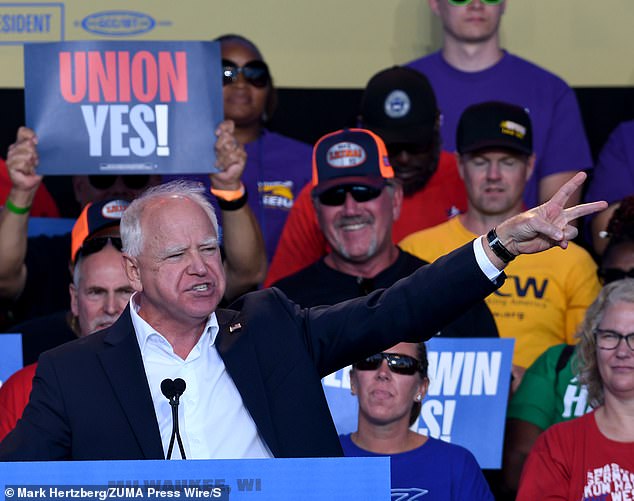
(390, 387)
(277, 166)
(592, 457)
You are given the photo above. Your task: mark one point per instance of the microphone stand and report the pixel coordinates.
(172, 391)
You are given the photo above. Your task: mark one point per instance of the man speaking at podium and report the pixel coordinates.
(252, 374)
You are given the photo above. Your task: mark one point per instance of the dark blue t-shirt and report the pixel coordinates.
(436, 470)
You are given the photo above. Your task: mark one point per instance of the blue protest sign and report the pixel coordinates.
(10, 355)
(50, 226)
(249, 479)
(115, 107)
(466, 400)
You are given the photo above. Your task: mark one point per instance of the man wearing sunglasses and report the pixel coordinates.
(472, 67)
(356, 207)
(548, 294)
(99, 397)
(96, 188)
(33, 280)
(99, 293)
(400, 107)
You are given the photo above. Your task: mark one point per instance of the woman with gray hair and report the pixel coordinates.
(592, 457)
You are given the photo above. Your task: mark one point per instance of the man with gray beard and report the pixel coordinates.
(357, 199)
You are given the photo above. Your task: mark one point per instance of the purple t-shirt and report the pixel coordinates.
(277, 169)
(559, 139)
(613, 176)
(434, 471)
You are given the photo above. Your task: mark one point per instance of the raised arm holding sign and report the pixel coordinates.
(245, 258)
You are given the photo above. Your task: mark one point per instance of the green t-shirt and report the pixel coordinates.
(547, 396)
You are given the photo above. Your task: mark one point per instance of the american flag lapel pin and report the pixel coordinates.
(235, 327)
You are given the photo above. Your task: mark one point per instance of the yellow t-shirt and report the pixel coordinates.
(544, 298)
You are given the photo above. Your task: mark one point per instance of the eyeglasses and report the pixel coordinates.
(337, 195)
(94, 245)
(397, 363)
(608, 275)
(609, 340)
(133, 182)
(255, 73)
(467, 2)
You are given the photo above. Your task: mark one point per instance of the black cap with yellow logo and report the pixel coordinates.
(494, 125)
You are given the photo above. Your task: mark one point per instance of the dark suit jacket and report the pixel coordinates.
(91, 399)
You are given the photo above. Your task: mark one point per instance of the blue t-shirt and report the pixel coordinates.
(436, 470)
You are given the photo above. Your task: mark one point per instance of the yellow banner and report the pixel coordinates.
(333, 43)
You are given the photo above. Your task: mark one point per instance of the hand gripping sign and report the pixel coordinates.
(105, 107)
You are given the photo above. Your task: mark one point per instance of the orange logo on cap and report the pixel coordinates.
(345, 154)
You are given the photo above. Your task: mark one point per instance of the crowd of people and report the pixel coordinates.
(449, 211)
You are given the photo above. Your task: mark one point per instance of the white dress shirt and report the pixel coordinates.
(213, 421)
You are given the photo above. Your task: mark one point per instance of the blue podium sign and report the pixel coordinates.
(10, 355)
(249, 479)
(466, 400)
(124, 107)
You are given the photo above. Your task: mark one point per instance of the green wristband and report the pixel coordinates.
(11, 207)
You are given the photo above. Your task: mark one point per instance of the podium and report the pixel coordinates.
(228, 480)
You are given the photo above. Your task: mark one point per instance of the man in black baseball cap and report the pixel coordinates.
(549, 293)
(494, 125)
(400, 106)
(495, 158)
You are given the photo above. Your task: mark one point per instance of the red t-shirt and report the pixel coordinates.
(574, 461)
(14, 395)
(43, 203)
(302, 242)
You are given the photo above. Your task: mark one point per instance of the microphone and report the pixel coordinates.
(173, 391)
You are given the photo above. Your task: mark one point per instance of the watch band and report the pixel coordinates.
(498, 248)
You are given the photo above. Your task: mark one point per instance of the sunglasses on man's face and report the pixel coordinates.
(608, 275)
(337, 195)
(94, 245)
(397, 363)
(133, 182)
(467, 2)
(396, 149)
(256, 73)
